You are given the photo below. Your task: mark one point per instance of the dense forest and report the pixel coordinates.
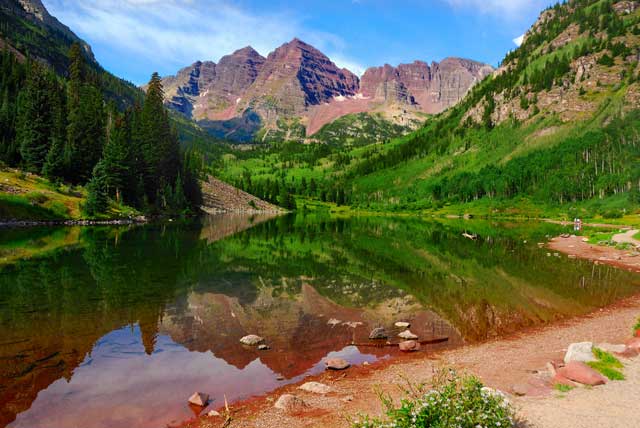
(68, 130)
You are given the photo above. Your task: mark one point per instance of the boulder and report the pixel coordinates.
(578, 371)
(561, 380)
(337, 364)
(634, 344)
(402, 324)
(290, 404)
(251, 340)
(582, 352)
(199, 399)
(407, 335)
(378, 334)
(409, 346)
(315, 387)
(611, 348)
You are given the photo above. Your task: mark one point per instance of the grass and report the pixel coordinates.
(637, 236)
(637, 326)
(607, 365)
(25, 196)
(563, 388)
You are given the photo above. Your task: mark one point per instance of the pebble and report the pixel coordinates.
(251, 340)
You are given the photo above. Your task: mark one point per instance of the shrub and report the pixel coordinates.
(453, 402)
(607, 364)
(637, 326)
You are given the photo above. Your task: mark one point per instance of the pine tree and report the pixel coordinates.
(86, 127)
(35, 119)
(55, 168)
(159, 144)
(97, 200)
(116, 161)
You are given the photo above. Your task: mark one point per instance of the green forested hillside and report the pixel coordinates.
(556, 126)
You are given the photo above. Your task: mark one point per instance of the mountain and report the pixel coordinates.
(296, 90)
(553, 131)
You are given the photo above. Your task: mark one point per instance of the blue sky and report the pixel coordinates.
(133, 38)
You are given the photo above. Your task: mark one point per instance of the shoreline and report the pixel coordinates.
(502, 363)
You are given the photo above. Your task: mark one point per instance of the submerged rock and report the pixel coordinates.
(263, 347)
(315, 387)
(251, 340)
(337, 364)
(582, 352)
(409, 346)
(407, 335)
(578, 371)
(199, 399)
(290, 403)
(378, 333)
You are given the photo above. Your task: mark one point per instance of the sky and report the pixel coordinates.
(134, 38)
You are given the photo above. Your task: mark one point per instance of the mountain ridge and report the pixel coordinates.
(298, 86)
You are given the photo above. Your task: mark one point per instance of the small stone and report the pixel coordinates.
(378, 334)
(263, 347)
(290, 404)
(213, 413)
(520, 389)
(409, 346)
(333, 322)
(315, 387)
(578, 371)
(402, 324)
(337, 364)
(551, 369)
(199, 399)
(251, 340)
(348, 398)
(582, 352)
(407, 335)
(280, 378)
(366, 363)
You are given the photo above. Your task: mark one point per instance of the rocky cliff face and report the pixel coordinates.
(430, 88)
(295, 76)
(298, 82)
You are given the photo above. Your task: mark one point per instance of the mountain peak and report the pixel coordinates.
(247, 51)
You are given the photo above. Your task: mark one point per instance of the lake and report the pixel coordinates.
(118, 326)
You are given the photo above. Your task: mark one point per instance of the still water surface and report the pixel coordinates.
(116, 327)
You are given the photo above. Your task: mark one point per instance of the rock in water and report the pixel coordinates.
(251, 340)
(213, 413)
(199, 399)
(315, 387)
(409, 346)
(378, 333)
(407, 335)
(290, 403)
(582, 352)
(263, 347)
(337, 364)
(578, 371)
(402, 324)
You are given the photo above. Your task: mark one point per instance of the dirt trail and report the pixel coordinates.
(614, 405)
(501, 364)
(627, 237)
(574, 246)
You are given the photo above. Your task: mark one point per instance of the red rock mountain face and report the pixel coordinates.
(432, 88)
(297, 81)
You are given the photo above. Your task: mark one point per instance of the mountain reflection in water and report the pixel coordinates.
(111, 327)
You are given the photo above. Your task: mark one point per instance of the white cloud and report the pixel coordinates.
(518, 40)
(170, 34)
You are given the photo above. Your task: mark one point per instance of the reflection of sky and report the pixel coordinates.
(118, 385)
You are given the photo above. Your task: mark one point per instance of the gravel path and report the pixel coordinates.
(626, 237)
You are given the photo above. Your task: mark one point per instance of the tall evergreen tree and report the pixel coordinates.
(35, 118)
(86, 127)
